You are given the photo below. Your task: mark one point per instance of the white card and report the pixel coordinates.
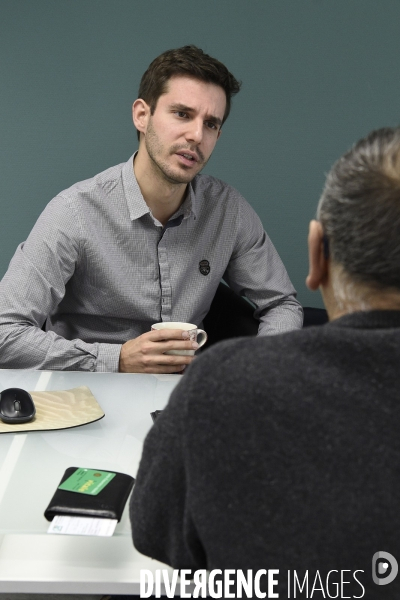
(82, 526)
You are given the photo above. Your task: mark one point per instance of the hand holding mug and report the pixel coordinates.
(192, 333)
(168, 348)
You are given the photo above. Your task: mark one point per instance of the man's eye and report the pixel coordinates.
(181, 114)
(211, 125)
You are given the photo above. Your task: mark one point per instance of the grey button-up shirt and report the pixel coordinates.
(101, 269)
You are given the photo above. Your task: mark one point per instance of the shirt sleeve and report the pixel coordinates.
(257, 272)
(32, 288)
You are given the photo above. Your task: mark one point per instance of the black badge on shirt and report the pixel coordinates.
(204, 267)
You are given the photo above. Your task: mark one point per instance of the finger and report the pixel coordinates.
(166, 345)
(170, 359)
(180, 368)
(166, 369)
(166, 334)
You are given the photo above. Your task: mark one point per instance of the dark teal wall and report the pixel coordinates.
(317, 75)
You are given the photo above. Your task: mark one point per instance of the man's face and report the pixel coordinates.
(181, 134)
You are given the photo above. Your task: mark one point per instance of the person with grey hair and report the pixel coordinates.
(285, 454)
(359, 214)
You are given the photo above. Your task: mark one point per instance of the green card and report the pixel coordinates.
(87, 481)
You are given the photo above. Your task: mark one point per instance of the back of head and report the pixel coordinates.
(188, 61)
(360, 211)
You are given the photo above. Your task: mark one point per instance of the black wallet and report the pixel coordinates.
(108, 504)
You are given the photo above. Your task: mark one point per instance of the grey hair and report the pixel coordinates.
(360, 210)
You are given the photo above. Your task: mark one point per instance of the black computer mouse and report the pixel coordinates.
(16, 406)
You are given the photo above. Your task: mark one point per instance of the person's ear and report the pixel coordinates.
(317, 256)
(140, 114)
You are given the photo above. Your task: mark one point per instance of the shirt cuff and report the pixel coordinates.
(108, 358)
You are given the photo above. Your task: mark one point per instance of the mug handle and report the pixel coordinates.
(203, 337)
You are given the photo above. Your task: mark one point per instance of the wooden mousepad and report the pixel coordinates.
(60, 410)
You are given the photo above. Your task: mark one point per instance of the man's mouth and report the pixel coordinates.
(191, 156)
(188, 158)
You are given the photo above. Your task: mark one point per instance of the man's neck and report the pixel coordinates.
(162, 197)
(343, 296)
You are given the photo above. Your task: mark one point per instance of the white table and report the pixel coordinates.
(32, 464)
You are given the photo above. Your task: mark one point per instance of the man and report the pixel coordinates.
(143, 242)
(284, 453)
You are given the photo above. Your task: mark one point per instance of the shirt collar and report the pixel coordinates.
(136, 203)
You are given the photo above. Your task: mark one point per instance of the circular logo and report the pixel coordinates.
(204, 267)
(384, 568)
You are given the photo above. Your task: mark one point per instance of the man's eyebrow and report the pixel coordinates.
(184, 108)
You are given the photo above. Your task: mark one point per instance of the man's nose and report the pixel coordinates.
(194, 131)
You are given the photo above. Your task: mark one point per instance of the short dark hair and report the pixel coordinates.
(360, 209)
(192, 62)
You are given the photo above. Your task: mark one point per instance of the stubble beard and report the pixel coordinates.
(155, 149)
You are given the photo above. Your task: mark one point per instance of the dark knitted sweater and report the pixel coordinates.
(280, 452)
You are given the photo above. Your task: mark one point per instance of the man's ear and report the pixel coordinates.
(140, 114)
(318, 262)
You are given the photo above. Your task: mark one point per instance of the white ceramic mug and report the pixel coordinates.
(190, 328)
